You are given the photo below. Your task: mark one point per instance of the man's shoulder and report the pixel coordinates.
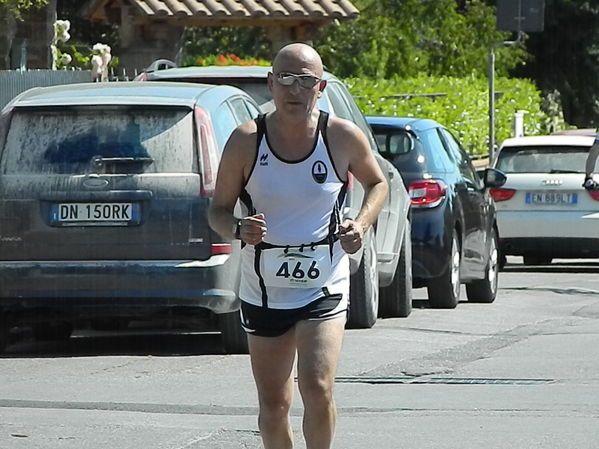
(248, 128)
(342, 129)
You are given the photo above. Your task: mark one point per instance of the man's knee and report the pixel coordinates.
(316, 391)
(274, 407)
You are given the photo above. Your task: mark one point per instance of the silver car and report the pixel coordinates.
(385, 264)
(104, 191)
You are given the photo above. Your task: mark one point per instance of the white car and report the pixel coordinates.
(543, 212)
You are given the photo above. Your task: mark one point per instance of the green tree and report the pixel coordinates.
(245, 42)
(84, 32)
(408, 37)
(565, 57)
(18, 7)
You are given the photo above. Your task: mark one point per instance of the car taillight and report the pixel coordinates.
(220, 248)
(594, 194)
(427, 193)
(208, 152)
(499, 194)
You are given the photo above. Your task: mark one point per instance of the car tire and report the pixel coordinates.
(485, 290)
(56, 330)
(234, 338)
(537, 260)
(444, 291)
(364, 287)
(502, 261)
(395, 300)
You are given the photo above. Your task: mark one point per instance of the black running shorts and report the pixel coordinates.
(266, 322)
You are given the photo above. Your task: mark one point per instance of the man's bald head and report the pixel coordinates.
(298, 54)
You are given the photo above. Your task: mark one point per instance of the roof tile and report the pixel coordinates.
(315, 9)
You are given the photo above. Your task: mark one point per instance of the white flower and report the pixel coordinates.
(97, 65)
(65, 59)
(102, 48)
(61, 30)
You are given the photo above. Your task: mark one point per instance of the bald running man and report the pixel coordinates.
(290, 169)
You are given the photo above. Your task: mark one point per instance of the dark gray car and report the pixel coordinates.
(104, 190)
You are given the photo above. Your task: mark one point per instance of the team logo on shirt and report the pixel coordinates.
(264, 159)
(319, 172)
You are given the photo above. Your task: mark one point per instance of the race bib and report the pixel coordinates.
(309, 268)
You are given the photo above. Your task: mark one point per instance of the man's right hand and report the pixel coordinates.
(253, 229)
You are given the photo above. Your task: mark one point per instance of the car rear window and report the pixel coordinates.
(255, 87)
(542, 159)
(68, 139)
(425, 153)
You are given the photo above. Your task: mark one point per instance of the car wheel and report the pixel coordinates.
(59, 330)
(444, 291)
(485, 290)
(537, 260)
(364, 288)
(396, 299)
(235, 340)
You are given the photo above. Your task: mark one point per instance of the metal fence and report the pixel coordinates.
(13, 82)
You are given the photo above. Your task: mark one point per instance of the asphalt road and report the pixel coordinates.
(520, 373)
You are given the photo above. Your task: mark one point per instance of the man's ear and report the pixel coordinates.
(323, 84)
(269, 80)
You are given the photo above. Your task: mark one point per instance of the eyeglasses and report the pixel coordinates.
(305, 81)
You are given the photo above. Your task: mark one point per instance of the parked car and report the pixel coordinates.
(454, 229)
(104, 190)
(543, 211)
(384, 265)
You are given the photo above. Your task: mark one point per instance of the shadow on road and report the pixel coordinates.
(143, 342)
(554, 267)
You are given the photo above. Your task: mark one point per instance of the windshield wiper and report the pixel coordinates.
(101, 164)
(99, 161)
(555, 170)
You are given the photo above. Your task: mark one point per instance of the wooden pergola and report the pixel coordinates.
(152, 29)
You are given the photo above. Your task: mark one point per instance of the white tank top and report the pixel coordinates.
(301, 201)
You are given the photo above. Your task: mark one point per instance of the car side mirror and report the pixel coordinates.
(493, 177)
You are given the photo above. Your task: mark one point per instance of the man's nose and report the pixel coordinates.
(295, 87)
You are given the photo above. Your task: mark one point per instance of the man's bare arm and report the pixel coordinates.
(236, 160)
(592, 158)
(363, 166)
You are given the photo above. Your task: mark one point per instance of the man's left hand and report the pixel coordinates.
(351, 234)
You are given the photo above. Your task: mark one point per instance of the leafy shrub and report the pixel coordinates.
(461, 104)
(222, 60)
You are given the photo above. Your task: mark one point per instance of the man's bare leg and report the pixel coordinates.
(318, 348)
(272, 361)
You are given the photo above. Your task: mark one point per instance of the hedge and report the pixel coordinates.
(461, 104)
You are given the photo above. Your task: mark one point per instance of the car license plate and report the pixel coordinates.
(95, 213)
(555, 198)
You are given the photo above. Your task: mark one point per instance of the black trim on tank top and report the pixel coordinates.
(257, 254)
(260, 129)
(295, 161)
(325, 139)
